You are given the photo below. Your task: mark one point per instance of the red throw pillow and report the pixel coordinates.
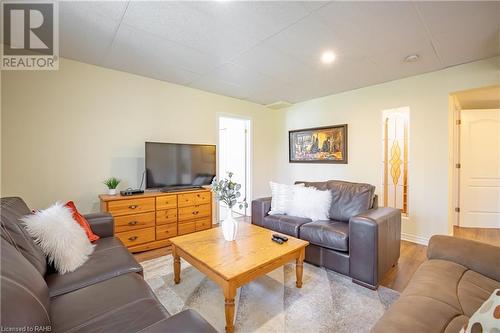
(82, 221)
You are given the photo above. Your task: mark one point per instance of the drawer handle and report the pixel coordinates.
(132, 223)
(198, 195)
(133, 206)
(133, 238)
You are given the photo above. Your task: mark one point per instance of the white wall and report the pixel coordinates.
(64, 132)
(427, 96)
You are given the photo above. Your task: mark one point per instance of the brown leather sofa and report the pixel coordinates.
(359, 240)
(106, 294)
(446, 289)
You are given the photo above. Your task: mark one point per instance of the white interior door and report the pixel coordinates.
(480, 169)
(234, 156)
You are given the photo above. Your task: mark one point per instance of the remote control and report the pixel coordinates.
(283, 238)
(277, 240)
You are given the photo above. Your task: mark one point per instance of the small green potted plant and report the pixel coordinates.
(228, 192)
(112, 184)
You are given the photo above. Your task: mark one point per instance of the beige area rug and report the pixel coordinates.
(327, 301)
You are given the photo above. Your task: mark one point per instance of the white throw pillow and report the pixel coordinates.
(282, 197)
(487, 317)
(311, 203)
(61, 238)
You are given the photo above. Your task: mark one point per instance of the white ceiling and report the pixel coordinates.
(270, 51)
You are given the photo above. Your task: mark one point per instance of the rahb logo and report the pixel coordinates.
(30, 36)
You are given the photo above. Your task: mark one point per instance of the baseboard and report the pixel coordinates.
(415, 239)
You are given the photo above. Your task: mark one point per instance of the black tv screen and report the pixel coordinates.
(171, 165)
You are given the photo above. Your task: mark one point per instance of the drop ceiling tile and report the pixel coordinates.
(220, 87)
(180, 23)
(159, 61)
(85, 31)
(273, 63)
(466, 47)
(241, 76)
(364, 28)
(263, 18)
(304, 41)
(459, 16)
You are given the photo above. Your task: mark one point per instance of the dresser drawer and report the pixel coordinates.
(190, 199)
(203, 224)
(186, 228)
(194, 212)
(139, 236)
(166, 202)
(131, 206)
(134, 221)
(166, 216)
(166, 231)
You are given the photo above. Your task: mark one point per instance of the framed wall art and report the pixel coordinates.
(318, 145)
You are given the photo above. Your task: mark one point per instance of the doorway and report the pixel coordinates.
(479, 168)
(234, 155)
(476, 161)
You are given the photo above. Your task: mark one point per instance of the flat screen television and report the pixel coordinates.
(175, 166)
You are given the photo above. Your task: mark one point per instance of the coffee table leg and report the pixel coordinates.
(229, 294)
(177, 266)
(299, 268)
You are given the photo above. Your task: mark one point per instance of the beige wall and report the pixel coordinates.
(427, 96)
(64, 132)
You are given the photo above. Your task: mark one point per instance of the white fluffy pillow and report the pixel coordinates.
(311, 203)
(61, 238)
(282, 197)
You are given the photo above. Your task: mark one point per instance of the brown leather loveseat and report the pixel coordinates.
(360, 239)
(106, 294)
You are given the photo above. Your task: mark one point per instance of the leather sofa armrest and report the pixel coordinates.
(480, 257)
(374, 244)
(185, 321)
(102, 224)
(260, 208)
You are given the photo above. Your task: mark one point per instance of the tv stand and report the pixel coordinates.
(147, 221)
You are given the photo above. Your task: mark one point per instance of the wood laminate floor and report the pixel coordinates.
(485, 235)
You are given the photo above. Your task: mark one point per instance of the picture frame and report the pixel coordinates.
(327, 144)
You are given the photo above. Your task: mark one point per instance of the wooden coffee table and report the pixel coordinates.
(232, 264)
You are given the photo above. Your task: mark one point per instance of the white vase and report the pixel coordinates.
(229, 227)
(112, 191)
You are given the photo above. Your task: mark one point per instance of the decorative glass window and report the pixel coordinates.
(396, 132)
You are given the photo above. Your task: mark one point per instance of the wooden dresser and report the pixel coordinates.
(146, 221)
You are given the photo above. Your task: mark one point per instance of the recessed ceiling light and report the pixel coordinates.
(328, 57)
(412, 58)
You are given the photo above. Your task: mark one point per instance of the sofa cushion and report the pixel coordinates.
(13, 230)
(473, 290)
(348, 199)
(330, 234)
(121, 304)
(285, 224)
(24, 294)
(99, 267)
(416, 314)
(437, 279)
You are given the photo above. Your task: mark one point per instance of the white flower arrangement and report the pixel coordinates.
(228, 192)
